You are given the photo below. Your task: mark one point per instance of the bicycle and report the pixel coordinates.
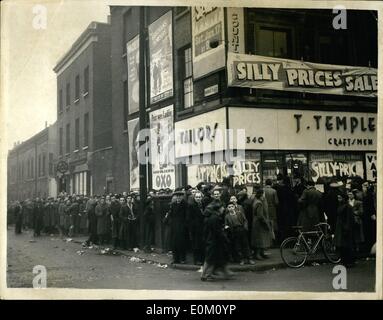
(295, 250)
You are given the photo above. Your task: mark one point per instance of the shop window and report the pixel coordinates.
(86, 129)
(296, 165)
(86, 81)
(186, 72)
(51, 164)
(60, 101)
(44, 164)
(61, 135)
(77, 88)
(273, 42)
(77, 134)
(67, 94)
(67, 149)
(273, 164)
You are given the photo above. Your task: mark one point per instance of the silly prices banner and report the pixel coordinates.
(251, 71)
(162, 148)
(161, 58)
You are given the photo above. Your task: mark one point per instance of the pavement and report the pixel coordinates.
(70, 265)
(165, 259)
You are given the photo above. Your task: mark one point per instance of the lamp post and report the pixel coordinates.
(142, 112)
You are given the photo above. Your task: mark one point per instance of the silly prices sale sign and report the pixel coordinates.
(252, 71)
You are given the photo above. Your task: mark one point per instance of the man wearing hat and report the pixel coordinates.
(176, 219)
(312, 207)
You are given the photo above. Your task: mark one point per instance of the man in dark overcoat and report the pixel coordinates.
(18, 212)
(38, 217)
(217, 247)
(92, 221)
(311, 207)
(177, 222)
(125, 213)
(115, 207)
(195, 222)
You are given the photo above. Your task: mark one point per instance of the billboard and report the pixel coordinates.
(252, 71)
(161, 58)
(162, 148)
(132, 49)
(207, 27)
(133, 130)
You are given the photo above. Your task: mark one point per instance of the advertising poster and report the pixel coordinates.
(133, 72)
(133, 130)
(162, 148)
(161, 58)
(252, 71)
(207, 27)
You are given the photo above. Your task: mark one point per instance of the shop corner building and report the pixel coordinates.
(304, 93)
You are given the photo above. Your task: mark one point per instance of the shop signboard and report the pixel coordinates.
(235, 30)
(246, 172)
(201, 134)
(252, 71)
(371, 163)
(285, 129)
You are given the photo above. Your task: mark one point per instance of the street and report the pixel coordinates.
(69, 265)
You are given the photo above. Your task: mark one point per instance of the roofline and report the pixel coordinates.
(36, 136)
(92, 29)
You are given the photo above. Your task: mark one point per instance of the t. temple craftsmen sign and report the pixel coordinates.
(253, 71)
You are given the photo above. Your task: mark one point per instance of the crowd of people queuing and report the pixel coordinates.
(218, 223)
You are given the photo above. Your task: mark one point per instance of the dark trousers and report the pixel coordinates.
(18, 226)
(37, 226)
(149, 235)
(198, 246)
(179, 254)
(239, 244)
(347, 255)
(132, 234)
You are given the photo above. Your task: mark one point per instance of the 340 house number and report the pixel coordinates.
(254, 139)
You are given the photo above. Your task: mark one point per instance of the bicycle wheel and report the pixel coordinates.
(330, 251)
(293, 252)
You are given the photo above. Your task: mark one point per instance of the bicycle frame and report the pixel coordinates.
(311, 249)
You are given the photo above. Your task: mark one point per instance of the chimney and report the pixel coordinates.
(46, 124)
(109, 19)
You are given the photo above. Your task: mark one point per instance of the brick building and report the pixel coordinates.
(84, 127)
(318, 125)
(31, 171)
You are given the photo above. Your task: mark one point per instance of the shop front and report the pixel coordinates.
(314, 145)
